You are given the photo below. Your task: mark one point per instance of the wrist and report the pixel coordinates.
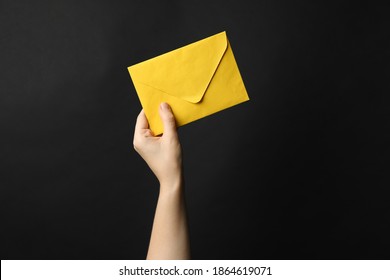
(173, 185)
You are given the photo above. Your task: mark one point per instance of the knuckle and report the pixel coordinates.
(170, 119)
(136, 144)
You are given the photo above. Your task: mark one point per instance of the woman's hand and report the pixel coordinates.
(170, 236)
(162, 154)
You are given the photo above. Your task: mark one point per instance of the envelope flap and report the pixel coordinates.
(185, 72)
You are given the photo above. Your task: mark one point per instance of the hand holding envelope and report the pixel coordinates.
(196, 80)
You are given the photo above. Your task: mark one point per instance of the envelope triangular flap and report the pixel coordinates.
(185, 72)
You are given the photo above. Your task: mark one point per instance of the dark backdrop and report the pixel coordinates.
(301, 171)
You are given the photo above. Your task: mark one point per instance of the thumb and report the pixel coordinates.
(168, 119)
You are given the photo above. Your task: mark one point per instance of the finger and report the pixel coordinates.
(142, 122)
(168, 119)
(141, 130)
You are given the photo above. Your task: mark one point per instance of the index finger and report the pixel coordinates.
(142, 121)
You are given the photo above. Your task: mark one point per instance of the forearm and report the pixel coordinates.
(170, 236)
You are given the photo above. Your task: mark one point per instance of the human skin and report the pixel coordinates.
(170, 235)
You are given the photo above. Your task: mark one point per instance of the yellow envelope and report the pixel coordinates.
(196, 80)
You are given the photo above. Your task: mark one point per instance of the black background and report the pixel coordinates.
(301, 171)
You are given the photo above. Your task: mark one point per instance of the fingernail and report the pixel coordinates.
(164, 106)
